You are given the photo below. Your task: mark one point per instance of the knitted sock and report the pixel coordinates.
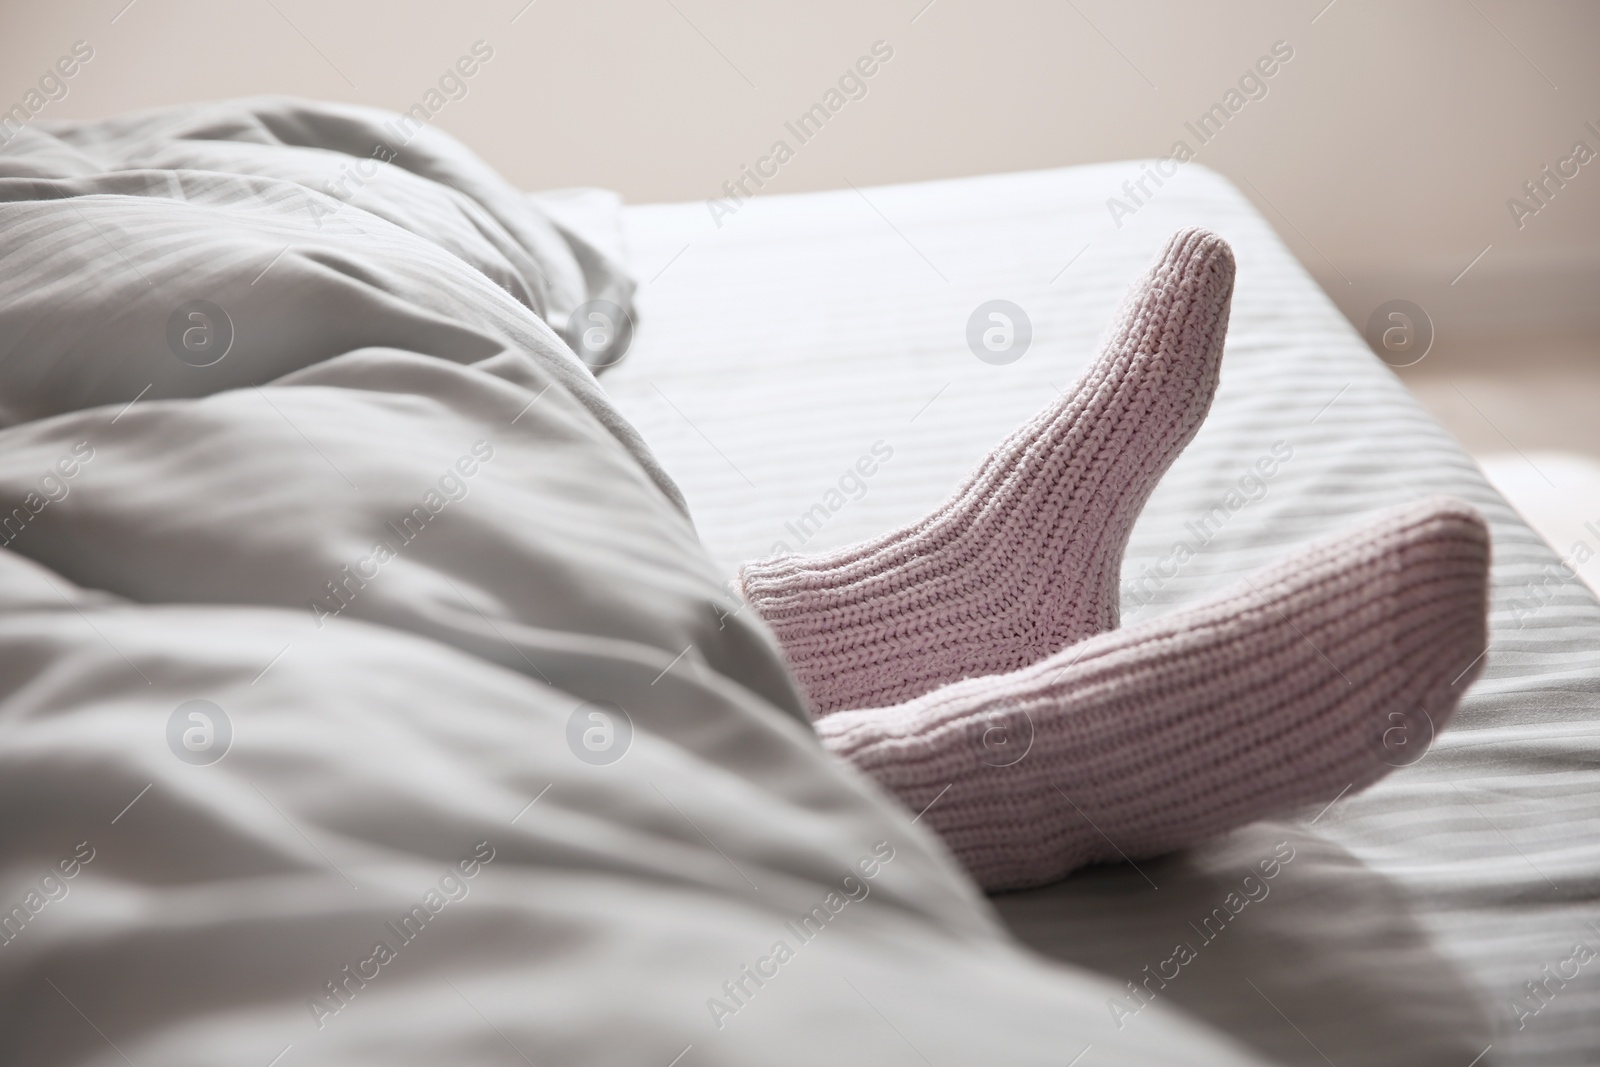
(1319, 674)
(1025, 558)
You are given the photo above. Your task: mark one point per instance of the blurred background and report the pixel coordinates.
(1436, 152)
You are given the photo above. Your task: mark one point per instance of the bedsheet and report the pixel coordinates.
(1447, 916)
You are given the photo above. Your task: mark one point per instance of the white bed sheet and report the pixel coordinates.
(806, 331)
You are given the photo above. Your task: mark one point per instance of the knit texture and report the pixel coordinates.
(1025, 558)
(1316, 676)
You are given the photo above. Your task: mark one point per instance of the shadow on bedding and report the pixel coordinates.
(1278, 937)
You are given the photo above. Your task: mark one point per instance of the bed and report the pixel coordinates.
(780, 346)
(528, 786)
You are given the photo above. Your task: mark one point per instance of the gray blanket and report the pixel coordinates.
(366, 694)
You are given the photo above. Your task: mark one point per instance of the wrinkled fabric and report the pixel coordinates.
(365, 694)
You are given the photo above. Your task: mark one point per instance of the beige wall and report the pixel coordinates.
(1384, 151)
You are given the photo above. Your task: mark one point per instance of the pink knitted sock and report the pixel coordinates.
(1319, 674)
(1025, 558)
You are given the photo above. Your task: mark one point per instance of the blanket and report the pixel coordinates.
(367, 694)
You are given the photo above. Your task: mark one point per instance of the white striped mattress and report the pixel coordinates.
(810, 331)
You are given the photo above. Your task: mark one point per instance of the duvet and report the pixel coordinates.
(365, 693)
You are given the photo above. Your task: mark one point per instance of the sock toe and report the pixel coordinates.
(1360, 646)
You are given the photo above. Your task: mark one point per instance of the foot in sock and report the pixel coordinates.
(1305, 680)
(1025, 558)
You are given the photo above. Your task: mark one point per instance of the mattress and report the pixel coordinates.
(1448, 915)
